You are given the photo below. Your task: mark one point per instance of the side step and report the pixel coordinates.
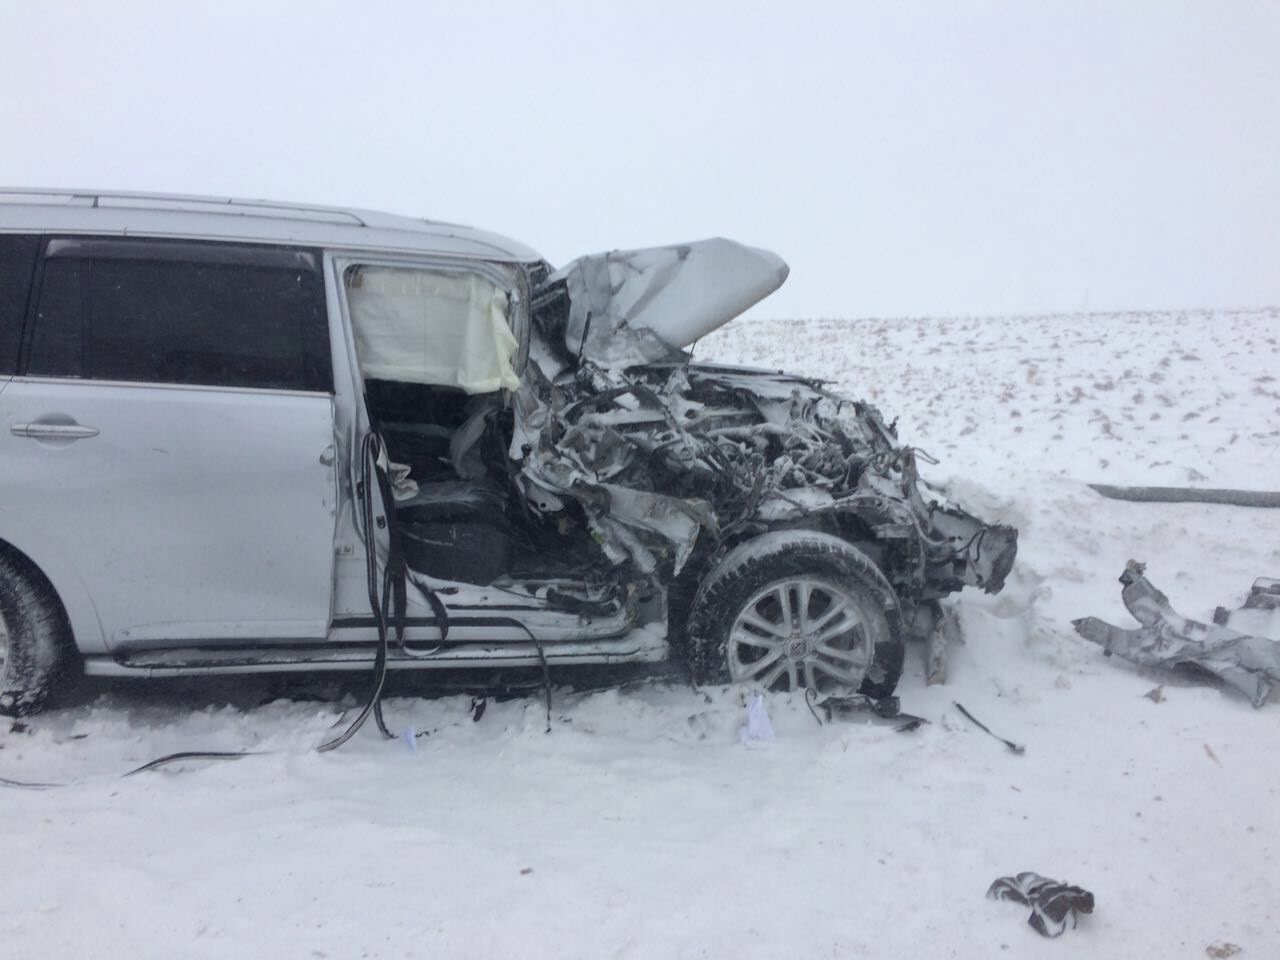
(638, 646)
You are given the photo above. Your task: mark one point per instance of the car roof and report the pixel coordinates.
(226, 218)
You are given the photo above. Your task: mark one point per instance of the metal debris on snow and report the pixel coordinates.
(861, 706)
(1247, 661)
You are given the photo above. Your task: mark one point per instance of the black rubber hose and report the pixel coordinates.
(1232, 498)
(373, 704)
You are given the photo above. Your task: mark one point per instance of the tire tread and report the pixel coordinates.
(40, 647)
(751, 565)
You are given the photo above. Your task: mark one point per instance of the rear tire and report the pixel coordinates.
(35, 637)
(797, 609)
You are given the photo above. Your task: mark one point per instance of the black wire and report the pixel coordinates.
(380, 678)
(368, 451)
(546, 670)
(192, 755)
(1013, 747)
(149, 765)
(810, 696)
(383, 613)
(28, 784)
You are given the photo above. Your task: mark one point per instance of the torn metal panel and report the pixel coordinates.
(729, 451)
(940, 630)
(857, 706)
(1250, 663)
(673, 520)
(630, 307)
(1260, 613)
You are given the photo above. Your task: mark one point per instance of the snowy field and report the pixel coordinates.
(641, 827)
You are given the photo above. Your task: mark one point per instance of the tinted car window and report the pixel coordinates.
(56, 339)
(193, 314)
(17, 263)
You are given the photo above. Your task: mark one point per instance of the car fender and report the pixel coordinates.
(86, 627)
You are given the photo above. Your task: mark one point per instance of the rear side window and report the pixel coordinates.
(202, 314)
(17, 264)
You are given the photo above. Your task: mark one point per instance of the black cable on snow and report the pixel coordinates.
(193, 755)
(149, 765)
(28, 784)
(1013, 747)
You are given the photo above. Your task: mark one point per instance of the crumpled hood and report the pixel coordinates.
(630, 307)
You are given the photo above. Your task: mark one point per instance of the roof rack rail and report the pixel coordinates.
(187, 202)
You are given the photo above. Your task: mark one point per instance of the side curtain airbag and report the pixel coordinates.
(422, 326)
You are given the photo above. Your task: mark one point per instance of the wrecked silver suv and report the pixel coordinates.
(248, 437)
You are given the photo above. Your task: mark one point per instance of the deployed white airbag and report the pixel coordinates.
(424, 326)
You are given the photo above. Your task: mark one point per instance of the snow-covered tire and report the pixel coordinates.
(797, 608)
(35, 638)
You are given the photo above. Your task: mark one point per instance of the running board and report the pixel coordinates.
(638, 646)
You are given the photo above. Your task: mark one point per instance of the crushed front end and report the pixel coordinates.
(668, 456)
(671, 461)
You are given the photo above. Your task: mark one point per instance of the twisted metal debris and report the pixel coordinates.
(1248, 662)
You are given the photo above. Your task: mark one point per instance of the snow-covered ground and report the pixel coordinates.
(641, 827)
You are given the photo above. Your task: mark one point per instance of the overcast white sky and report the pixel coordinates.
(905, 158)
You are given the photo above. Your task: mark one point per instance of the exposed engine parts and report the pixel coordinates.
(661, 455)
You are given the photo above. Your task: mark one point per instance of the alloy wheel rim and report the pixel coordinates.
(800, 632)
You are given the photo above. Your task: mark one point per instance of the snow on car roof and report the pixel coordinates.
(227, 218)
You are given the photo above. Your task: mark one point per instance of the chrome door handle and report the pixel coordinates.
(53, 431)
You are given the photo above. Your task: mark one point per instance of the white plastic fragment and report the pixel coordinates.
(758, 728)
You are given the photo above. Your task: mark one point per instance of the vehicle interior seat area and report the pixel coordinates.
(456, 530)
(456, 526)
(418, 422)
(436, 352)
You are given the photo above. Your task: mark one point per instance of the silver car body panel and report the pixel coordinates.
(169, 535)
(636, 646)
(111, 213)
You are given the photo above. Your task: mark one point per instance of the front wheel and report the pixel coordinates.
(797, 609)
